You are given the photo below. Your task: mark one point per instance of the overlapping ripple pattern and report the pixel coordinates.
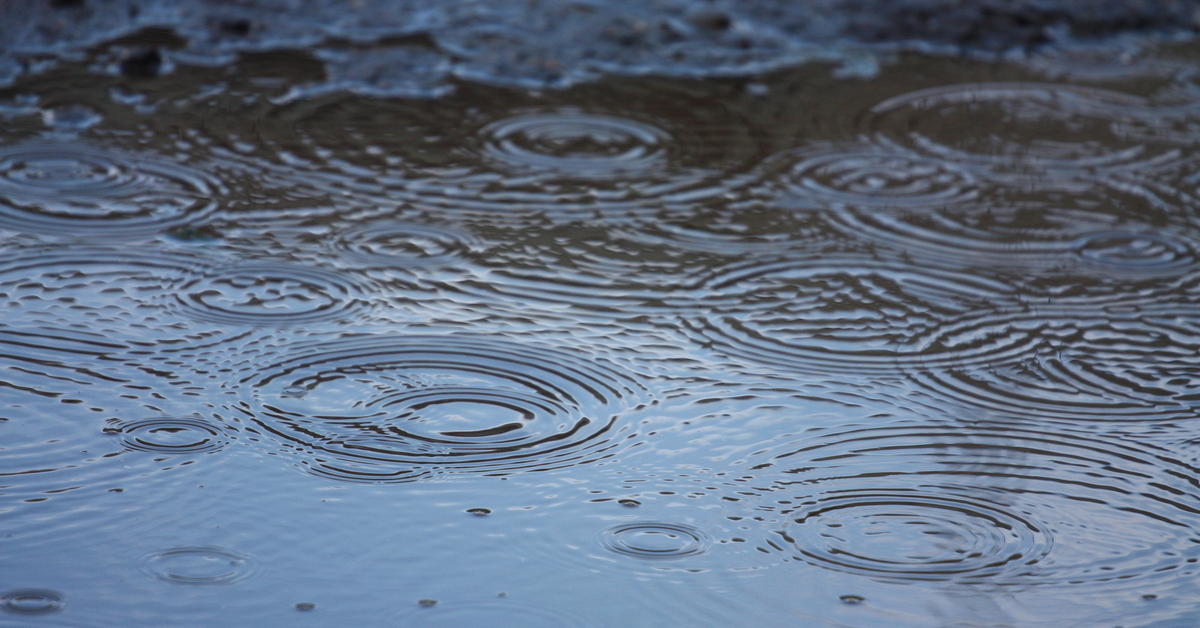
(402, 407)
(73, 189)
(791, 349)
(997, 503)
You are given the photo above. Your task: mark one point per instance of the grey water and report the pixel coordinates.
(914, 347)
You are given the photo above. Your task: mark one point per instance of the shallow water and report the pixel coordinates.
(913, 350)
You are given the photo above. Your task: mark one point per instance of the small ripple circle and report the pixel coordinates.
(171, 435)
(199, 565)
(31, 601)
(267, 294)
(401, 245)
(574, 143)
(656, 540)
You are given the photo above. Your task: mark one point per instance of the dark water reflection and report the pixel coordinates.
(913, 350)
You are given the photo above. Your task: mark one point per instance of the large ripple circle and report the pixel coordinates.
(400, 408)
(75, 189)
(1072, 364)
(842, 314)
(863, 174)
(1020, 129)
(905, 536)
(984, 502)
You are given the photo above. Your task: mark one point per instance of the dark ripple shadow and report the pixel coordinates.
(405, 407)
(986, 503)
(72, 189)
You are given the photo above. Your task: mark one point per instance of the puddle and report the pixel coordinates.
(282, 333)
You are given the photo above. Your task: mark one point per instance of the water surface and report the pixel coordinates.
(918, 349)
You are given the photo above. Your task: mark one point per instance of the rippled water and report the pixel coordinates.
(921, 349)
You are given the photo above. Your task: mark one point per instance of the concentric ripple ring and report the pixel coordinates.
(574, 143)
(75, 189)
(656, 540)
(399, 408)
(984, 502)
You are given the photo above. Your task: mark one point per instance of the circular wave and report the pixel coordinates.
(201, 565)
(75, 189)
(266, 293)
(1021, 129)
(32, 601)
(396, 409)
(1072, 365)
(844, 315)
(169, 435)
(573, 143)
(908, 536)
(985, 502)
(583, 270)
(863, 174)
(1049, 227)
(1135, 250)
(404, 245)
(655, 540)
(526, 158)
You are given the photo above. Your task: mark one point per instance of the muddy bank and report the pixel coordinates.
(415, 48)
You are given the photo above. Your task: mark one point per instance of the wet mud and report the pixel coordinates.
(910, 347)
